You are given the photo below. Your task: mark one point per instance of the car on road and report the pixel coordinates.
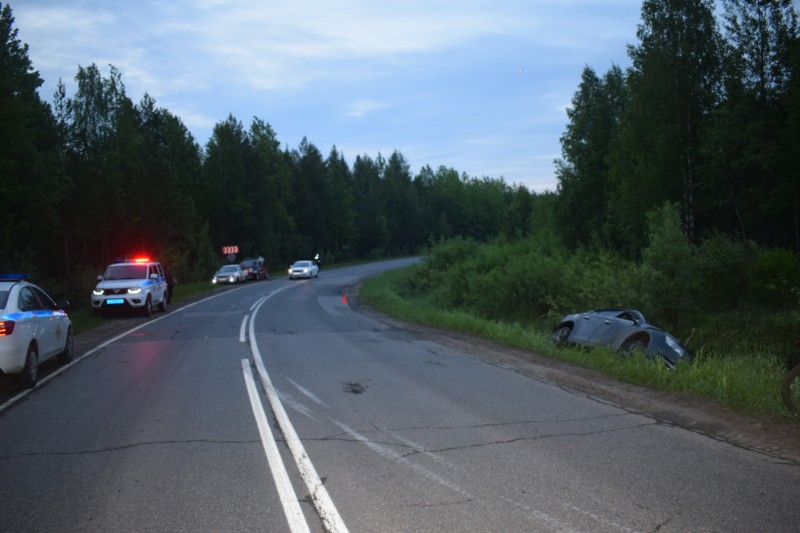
(229, 274)
(135, 284)
(622, 330)
(303, 269)
(33, 329)
(255, 268)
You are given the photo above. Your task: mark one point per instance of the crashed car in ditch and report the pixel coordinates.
(622, 330)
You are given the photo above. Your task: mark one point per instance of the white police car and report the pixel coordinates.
(136, 284)
(33, 328)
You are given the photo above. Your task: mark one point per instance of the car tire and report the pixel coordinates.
(791, 390)
(163, 305)
(559, 337)
(147, 310)
(69, 349)
(30, 372)
(631, 346)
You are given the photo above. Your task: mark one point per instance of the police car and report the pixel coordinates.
(33, 328)
(137, 284)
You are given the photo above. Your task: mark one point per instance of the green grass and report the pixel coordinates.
(749, 384)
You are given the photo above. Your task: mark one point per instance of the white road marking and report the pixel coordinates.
(319, 494)
(242, 329)
(291, 505)
(258, 302)
(313, 397)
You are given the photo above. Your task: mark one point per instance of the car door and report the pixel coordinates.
(614, 328)
(54, 323)
(586, 326)
(162, 282)
(34, 321)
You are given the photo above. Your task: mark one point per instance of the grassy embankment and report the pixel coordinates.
(492, 291)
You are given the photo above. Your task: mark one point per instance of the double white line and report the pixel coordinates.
(319, 495)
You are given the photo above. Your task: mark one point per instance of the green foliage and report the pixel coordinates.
(721, 272)
(666, 273)
(748, 381)
(776, 278)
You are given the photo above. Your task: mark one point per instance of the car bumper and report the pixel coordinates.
(12, 354)
(118, 302)
(225, 281)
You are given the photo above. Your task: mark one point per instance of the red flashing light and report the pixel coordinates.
(141, 259)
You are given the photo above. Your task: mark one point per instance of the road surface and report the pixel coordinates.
(278, 406)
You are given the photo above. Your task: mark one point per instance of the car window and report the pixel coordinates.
(4, 299)
(126, 272)
(44, 298)
(28, 300)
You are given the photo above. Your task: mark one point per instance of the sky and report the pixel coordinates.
(479, 86)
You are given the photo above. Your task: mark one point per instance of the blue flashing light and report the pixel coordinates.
(14, 277)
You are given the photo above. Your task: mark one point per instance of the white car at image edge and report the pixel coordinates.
(33, 329)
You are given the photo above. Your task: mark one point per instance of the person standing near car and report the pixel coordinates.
(171, 281)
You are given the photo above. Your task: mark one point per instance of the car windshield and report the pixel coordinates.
(229, 268)
(3, 299)
(126, 272)
(301, 264)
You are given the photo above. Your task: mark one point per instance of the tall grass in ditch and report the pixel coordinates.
(511, 291)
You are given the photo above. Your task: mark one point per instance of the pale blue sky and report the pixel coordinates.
(479, 86)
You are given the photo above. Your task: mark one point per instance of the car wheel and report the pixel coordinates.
(791, 390)
(147, 310)
(69, 349)
(634, 345)
(163, 305)
(560, 336)
(30, 372)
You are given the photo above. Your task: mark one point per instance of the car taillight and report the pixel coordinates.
(6, 327)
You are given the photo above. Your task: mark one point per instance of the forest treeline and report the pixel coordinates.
(707, 117)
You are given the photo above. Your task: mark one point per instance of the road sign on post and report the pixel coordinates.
(230, 250)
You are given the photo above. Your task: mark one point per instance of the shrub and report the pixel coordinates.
(721, 272)
(666, 275)
(775, 278)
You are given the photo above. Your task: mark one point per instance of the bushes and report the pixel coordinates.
(775, 278)
(735, 297)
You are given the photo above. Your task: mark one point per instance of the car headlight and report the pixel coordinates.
(673, 343)
(97, 292)
(134, 290)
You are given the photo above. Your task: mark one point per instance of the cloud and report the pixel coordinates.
(361, 108)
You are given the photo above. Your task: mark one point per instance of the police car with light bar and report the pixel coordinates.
(33, 328)
(137, 284)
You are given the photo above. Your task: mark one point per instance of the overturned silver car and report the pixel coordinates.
(623, 330)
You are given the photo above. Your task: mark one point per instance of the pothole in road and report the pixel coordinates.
(355, 387)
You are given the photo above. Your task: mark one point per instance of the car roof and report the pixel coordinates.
(9, 280)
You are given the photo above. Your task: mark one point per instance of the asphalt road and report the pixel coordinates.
(280, 406)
